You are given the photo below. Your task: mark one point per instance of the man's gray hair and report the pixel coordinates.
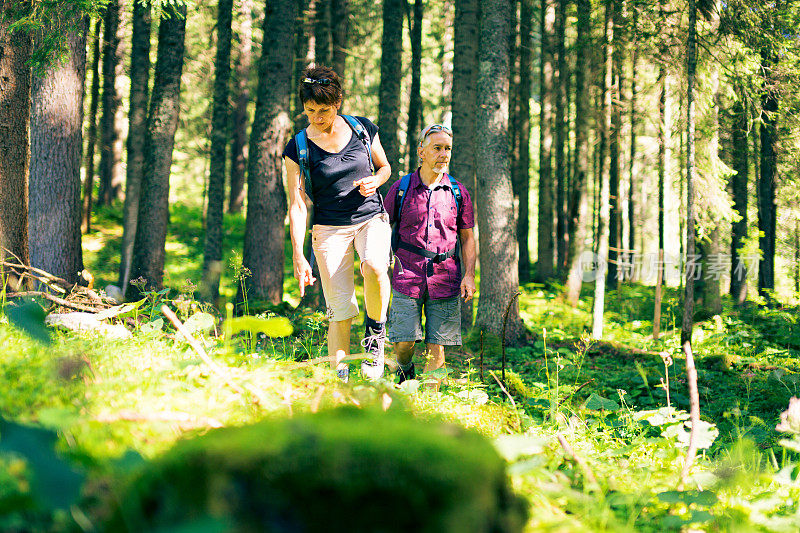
(433, 128)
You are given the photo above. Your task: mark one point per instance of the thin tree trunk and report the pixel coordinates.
(340, 17)
(615, 242)
(523, 162)
(137, 132)
(162, 121)
(212, 255)
(465, 107)
(54, 218)
(496, 218)
(562, 138)
(712, 297)
(768, 182)
(634, 124)
(304, 57)
(446, 61)
(110, 170)
(242, 98)
(664, 127)
(605, 208)
(15, 115)
(266, 198)
(688, 298)
(545, 245)
(323, 54)
(91, 142)
(415, 97)
(738, 186)
(580, 200)
(391, 76)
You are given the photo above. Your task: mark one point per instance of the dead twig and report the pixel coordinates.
(55, 299)
(584, 466)
(220, 371)
(513, 403)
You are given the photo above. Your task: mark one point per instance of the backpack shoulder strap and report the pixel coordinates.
(301, 140)
(456, 190)
(361, 133)
(401, 196)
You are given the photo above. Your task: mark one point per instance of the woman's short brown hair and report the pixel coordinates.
(320, 85)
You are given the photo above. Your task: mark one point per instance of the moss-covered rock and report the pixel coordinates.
(341, 470)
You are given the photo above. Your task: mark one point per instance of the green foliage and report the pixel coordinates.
(351, 469)
(29, 316)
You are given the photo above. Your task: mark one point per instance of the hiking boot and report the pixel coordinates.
(373, 344)
(343, 373)
(403, 375)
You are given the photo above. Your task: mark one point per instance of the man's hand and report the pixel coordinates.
(467, 287)
(367, 186)
(303, 274)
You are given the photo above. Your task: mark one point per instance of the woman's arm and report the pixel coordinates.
(383, 171)
(298, 217)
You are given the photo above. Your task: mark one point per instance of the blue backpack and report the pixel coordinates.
(398, 244)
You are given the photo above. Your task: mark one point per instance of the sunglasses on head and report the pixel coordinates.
(433, 129)
(322, 81)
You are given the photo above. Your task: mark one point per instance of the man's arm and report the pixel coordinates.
(467, 237)
(298, 216)
(383, 171)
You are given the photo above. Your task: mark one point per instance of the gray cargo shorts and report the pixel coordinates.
(442, 320)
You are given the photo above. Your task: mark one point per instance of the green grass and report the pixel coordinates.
(111, 401)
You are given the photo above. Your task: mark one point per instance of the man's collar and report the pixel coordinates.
(444, 181)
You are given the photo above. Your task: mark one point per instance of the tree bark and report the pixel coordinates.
(54, 218)
(634, 124)
(110, 170)
(562, 139)
(266, 198)
(545, 246)
(391, 76)
(523, 161)
(688, 298)
(137, 132)
(212, 255)
(242, 98)
(738, 186)
(91, 142)
(340, 16)
(162, 121)
(415, 97)
(323, 54)
(15, 114)
(445, 59)
(580, 201)
(496, 217)
(768, 182)
(465, 107)
(601, 260)
(615, 221)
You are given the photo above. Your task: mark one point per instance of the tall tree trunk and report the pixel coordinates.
(664, 127)
(523, 161)
(562, 138)
(545, 259)
(137, 132)
(712, 297)
(110, 170)
(303, 57)
(465, 106)
(391, 75)
(91, 142)
(738, 186)
(688, 298)
(615, 222)
(768, 182)
(212, 255)
(266, 198)
(54, 218)
(15, 115)
(323, 53)
(340, 17)
(634, 124)
(415, 97)
(603, 220)
(580, 200)
(496, 217)
(445, 60)
(242, 98)
(162, 121)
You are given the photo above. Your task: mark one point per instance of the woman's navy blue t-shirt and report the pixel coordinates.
(336, 201)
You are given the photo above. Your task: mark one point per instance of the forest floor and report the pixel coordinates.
(621, 403)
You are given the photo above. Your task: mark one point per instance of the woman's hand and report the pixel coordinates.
(303, 273)
(367, 186)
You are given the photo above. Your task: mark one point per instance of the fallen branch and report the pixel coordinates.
(513, 403)
(220, 371)
(569, 452)
(55, 299)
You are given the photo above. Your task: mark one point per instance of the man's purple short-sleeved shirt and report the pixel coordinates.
(430, 220)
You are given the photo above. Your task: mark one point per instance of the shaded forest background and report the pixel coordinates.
(583, 127)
